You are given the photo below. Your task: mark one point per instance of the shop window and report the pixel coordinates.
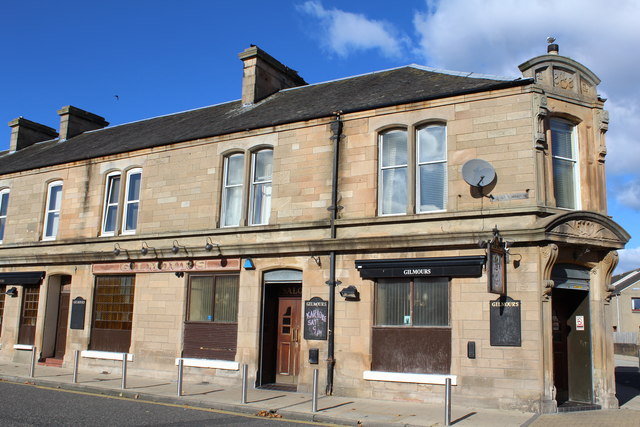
(211, 326)
(112, 313)
(234, 204)
(412, 332)
(52, 210)
(261, 170)
(566, 182)
(635, 305)
(29, 315)
(4, 203)
(429, 149)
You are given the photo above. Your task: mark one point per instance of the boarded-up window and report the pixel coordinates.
(411, 332)
(112, 313)
(211, 327)
(29, 315)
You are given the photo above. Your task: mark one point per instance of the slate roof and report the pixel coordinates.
(624, 280)
(380, 89)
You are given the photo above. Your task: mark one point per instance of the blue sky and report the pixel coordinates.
(160, 57)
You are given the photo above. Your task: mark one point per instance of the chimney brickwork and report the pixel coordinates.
(264, 75)
(25, 133)
(74, 121)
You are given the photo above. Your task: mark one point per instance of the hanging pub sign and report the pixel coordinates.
(504, 322)
(496, 265)
(315, 319)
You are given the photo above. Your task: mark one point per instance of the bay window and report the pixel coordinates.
(564, 147)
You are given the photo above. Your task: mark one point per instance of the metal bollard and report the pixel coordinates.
(76, 358)
(32, 371)
(447, 402)
(124, 370)
(245, 368)
(314, 392)
(180, 373)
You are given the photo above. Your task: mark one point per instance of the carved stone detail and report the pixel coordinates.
(587, 89)
(548, 255)
(584, 229)
(563, 79)
(542, 111)
(602, 117)
(609, 263)
(540, 77)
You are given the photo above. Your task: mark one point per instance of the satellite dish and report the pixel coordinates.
(478, 173)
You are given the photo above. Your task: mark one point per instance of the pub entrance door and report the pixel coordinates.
(571, 346)
(281, 330)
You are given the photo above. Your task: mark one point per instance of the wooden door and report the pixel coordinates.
(29, 315)
(63, 317)
(288, 357)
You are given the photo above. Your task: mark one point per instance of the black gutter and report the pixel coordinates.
(336, 133)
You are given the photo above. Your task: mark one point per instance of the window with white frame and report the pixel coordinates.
(261, 170)
(635, 305)
(111, 202)
(4, 202)
(52, 210)
(564, 148)
(113, 216)
(131, 201)
(428, 148)
(232, 190)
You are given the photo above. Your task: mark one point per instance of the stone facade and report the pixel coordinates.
(180, 205)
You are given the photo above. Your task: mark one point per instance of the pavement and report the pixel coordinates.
(336, 410)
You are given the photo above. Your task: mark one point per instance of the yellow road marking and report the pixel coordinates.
(172, 405)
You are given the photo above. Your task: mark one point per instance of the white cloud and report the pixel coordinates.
(629, 259)
(630, 194)
(346, 32)
(494, 36)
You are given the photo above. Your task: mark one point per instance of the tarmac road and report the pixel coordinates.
(31, 405)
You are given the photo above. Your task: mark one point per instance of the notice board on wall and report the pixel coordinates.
(77, 313)
(315, 319)
(505, 322)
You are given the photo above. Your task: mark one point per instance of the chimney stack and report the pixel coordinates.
(263, 75)
(74, 121)
(25, 133)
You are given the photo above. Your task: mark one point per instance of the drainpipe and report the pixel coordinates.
(336, 132)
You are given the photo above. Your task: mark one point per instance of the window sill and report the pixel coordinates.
(400, 377)
(209, 363)
(105, 355)
(23, 347)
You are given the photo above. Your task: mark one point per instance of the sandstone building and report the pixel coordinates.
(332, 226)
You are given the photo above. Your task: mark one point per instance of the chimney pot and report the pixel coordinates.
(553, 49)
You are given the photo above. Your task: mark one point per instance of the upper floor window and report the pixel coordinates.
(52, 210)
(112, 201)
(429, 150)
(564, 149)
(4, 202)
(232, 190)
(635, 304)
(261, 170)
(233, 195)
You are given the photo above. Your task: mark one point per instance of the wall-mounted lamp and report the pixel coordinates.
(210, 245)
(176, 247)
(13, 292)
(248, 264)
(145, 248)
(116, 249)
(317, 260)
(350, 293)
(179, 274)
